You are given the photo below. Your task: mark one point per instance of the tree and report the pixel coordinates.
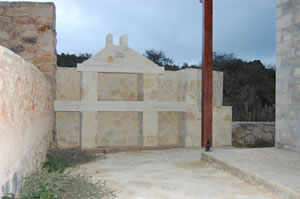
(160, 58)
(249, 87)
(71, 60)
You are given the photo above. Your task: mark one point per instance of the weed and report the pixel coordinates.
(58, 160)
(51, 182)
(45, 185)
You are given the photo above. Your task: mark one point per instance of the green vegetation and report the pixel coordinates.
(58, 160)
(71, 60)
(261, 144)
(51, 182)
(249, 86)
(42, 184)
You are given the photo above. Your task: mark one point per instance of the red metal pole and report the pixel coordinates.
(207, 52)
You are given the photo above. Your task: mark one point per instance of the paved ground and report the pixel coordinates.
(278, 170)
(168, 174)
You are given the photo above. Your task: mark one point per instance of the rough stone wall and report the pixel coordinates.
(253, 133)
(288, 75)
(28, 29)
(26, 119)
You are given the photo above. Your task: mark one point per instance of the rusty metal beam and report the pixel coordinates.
(207, 78)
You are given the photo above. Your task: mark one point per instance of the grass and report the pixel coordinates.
(58, 160)
(44, 185)
(51, 182)
(260, 144)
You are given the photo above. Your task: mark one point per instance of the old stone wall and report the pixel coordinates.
(253, 134)
(26, 119)
(28, 29)
(288, 75)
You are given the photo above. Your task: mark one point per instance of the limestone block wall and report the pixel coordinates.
(288, 75)
(252, 133)
(28, 29)
(26, 119)
(189, 90)
(118, 128)
(124, 128)
(68, 123)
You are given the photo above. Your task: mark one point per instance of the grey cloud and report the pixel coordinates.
(243, 27)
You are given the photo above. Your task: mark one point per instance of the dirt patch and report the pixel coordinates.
(190, 165)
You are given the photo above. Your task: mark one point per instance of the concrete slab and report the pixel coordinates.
(276, 170)
(167, 174)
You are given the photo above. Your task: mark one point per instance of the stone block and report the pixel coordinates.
(168, 128)
(67, 84)
(118, 129)
(150, 141)
(222, 126)
(117, 87)
(150, 87)
(150, 128)
(89, 82)
(89, 130)
(68, 129)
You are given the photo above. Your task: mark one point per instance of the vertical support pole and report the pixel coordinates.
(207, 50)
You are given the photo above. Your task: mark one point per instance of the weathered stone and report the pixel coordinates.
(268, 137)
(242, 135)
(4, 36)
(258, 133)
(4, 19)
(23, 21)
(1, 11)
(18, 49)
(31, 40)
(241, 141)
(250, 139)
(25, 122)
(17, 12)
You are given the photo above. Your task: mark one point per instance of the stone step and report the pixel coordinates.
(274, 170)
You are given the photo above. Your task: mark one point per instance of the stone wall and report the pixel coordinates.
(123, 128)
(28, 29)
(288, 75)
(26, 119)
(253, 133)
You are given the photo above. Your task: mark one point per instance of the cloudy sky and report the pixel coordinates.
(243, 27)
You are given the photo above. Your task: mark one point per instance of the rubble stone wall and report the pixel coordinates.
(253, 134)
(28, 29)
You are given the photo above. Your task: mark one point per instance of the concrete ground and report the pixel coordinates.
(168, 174)
(277, 170)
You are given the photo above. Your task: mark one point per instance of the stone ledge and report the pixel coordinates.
(120, 68)
(226, 159)
(119, 106)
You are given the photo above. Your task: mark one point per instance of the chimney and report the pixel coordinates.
(109, 40)
(124, 41)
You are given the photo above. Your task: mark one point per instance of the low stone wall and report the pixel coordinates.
(26, 119)
(253, 133)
